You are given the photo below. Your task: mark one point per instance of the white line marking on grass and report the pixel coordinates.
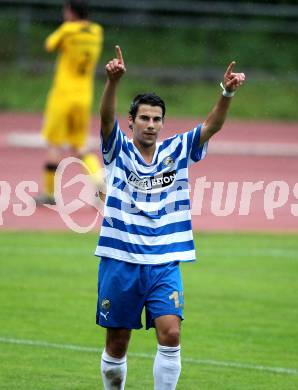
(207, 362)
(262, 252)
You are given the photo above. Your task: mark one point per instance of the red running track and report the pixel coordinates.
(19, 164)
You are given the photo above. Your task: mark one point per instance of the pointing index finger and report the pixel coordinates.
(231, 67)
(119, 54)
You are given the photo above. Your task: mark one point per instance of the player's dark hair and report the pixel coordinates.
(151, 99)
(79, 7)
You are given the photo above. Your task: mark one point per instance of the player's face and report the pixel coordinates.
(147, 125)
(68, 15)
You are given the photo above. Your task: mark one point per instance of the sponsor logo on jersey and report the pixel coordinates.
(150, 183)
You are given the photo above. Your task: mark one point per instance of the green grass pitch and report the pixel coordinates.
(240, 329)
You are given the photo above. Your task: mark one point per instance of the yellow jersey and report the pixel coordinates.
(80, 45)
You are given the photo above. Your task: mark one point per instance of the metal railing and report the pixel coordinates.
(211, 15)
(204, 15)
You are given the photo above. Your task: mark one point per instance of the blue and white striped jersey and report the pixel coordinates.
(147, 217)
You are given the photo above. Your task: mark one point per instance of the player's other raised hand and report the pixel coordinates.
(116, 67)
(233, 80)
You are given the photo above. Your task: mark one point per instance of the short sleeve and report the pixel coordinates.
(112, 147)
(195, 152)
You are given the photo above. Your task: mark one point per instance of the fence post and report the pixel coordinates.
(24, 23)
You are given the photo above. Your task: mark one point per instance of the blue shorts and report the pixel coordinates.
(124, 289)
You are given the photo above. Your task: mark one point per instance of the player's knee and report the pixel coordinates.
(117, 343)
(170, 337)
(117, 348)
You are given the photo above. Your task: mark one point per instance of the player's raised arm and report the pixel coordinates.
(53, 41)
(232, 81)
(115, 70)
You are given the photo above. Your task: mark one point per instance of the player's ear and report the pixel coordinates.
(130, 122)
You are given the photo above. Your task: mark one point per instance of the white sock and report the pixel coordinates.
(166, 368)
(113, 371)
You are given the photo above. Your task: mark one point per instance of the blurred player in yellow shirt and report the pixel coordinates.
(66, 121)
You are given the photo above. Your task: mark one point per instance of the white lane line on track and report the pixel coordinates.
(286, 149)
(207, 362)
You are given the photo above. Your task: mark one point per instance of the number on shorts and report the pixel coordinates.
(175, 297)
